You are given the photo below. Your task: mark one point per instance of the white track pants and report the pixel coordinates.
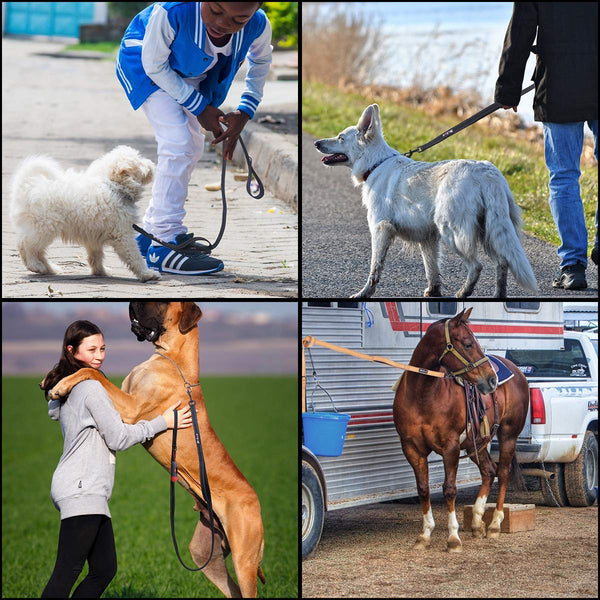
(180, 146)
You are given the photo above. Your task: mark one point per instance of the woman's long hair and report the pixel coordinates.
(68, 364)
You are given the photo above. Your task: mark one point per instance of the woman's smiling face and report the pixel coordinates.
(222, 19)
(91, 351)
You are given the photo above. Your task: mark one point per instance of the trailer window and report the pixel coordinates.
(570, 362)
(442, 308)
(522, 306)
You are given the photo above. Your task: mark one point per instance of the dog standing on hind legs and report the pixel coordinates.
(147, 392)
(462, 203)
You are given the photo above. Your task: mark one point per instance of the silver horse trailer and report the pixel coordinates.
(372, 467)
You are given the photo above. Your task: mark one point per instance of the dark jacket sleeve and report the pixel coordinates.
(518, 43)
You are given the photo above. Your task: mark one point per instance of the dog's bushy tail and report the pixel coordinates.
(27, 175)
(33, 166)
(502, 233)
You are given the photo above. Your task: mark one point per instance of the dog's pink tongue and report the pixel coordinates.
(333, 158)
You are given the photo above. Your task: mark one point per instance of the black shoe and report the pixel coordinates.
(571, 277)
(594, 255)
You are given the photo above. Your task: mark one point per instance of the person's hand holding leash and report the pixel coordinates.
(184, 417)
(235, 121)
(209, 119)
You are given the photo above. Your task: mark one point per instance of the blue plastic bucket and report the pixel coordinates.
(324, 432)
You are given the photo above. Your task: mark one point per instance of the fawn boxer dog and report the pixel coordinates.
(147, 392)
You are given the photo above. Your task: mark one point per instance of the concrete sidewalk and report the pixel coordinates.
(75, 110)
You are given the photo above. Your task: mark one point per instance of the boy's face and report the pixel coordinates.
(225, 18)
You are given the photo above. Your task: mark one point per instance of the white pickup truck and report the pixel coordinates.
(559, 443)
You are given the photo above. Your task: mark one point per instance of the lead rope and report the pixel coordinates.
(189, 245)
(205, 488)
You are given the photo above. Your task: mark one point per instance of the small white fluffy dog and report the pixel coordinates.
(92, 208)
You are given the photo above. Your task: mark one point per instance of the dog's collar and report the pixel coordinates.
(367, 173)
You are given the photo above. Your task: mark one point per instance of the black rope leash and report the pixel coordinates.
(190, 244)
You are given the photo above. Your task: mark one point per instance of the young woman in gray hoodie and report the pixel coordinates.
(83, 481)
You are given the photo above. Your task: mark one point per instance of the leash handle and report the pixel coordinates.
(209, 247)
(204, 486)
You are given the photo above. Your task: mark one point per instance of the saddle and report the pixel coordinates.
(477, 425)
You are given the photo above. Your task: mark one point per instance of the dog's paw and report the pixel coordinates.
(433, 292)
(149, 275)
(55, 392)
(43, 269)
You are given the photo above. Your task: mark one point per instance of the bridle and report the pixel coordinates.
(450, 349)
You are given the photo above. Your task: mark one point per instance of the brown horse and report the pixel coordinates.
(430, 415)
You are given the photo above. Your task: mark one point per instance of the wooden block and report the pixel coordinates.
(517, 517)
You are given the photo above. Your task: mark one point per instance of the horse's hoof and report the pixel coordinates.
(493, 534)
(422, 544)
(479, 533)
(454, 545)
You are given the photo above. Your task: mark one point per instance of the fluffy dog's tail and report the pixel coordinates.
(502, 233)
(29, 173)
(34, 166)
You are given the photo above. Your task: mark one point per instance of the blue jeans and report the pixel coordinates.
(563, 143)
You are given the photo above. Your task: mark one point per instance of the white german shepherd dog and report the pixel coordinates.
(461, 202)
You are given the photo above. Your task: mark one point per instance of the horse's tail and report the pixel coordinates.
(515, 475)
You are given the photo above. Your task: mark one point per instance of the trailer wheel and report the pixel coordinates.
(581, 475)
(312, 510)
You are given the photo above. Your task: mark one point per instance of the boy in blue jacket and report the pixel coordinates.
(177, 61)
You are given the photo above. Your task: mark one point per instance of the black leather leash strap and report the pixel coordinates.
(201, 472)
(476, 117)
(190, 245)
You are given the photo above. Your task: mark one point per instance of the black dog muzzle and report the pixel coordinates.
(150, 331)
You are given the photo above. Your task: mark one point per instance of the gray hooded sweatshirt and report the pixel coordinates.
(93, 430)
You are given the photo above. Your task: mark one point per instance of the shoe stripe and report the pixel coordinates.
(168, 258)
(179, 261)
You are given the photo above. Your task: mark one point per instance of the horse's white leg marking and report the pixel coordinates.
(494, 528)
(424, 539)
(477, 524)
(454, 543)
(428, 523)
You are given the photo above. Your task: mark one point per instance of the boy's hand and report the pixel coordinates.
(236, 121)
(209, 119)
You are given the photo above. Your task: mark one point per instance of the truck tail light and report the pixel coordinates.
(538, 410)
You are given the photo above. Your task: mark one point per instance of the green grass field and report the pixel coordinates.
(257, 420)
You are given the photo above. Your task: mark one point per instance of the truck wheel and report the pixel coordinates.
(312, 510)
(581, 475)
(553, 490)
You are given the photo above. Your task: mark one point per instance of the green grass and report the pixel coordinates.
(326, 111)
(257, 420)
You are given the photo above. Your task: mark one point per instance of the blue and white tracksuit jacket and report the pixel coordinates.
(165, 44)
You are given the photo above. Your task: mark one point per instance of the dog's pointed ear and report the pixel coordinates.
(367, 121)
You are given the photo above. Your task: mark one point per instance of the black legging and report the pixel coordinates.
(86, 537)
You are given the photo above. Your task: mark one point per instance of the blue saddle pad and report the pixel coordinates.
(502, 371)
